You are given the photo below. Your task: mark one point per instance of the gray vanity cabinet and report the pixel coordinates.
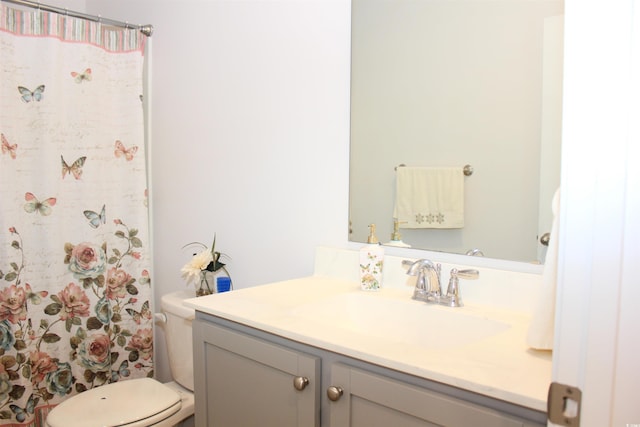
(244, 381)
(247, 377)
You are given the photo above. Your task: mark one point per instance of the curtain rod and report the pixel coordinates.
(147, 30)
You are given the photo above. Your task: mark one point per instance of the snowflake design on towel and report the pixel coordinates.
(430, 218)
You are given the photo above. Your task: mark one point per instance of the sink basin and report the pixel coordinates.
(399, 320)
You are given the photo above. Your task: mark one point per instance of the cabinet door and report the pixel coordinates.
(245, 381)
(370, 400)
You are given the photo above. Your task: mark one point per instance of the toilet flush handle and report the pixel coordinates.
(160, 317)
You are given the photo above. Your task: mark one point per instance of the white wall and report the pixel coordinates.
(250, 123)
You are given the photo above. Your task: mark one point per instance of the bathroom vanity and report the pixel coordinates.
(246, 377)
(317, 351)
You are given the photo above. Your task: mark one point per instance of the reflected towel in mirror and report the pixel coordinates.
(429, 197)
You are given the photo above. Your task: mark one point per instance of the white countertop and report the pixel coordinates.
(500, 366)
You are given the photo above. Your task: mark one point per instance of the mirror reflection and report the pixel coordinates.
(449, 83)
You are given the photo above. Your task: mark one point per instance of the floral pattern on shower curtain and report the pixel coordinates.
(74, 242)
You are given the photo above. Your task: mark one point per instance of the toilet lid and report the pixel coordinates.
(132, 403)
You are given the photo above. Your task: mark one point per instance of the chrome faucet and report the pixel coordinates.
(428, 285)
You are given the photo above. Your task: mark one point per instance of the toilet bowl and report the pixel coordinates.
(142, 402)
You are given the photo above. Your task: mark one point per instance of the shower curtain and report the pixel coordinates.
(74, 233)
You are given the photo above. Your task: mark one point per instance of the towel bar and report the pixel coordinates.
(467, 169)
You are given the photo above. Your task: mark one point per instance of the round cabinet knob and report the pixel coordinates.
(544, 239)
(300, 383)
(334, 393)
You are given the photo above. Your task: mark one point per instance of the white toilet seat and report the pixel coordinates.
(133, 403)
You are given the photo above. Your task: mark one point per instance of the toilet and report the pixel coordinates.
(142, 402)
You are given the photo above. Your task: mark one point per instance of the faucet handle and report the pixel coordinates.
(407, 263)
(453, 290)
(467, 274)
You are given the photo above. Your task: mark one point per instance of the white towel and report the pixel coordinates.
(541, 329)
(429, 197)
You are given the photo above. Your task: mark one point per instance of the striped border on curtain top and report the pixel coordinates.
(39, 23)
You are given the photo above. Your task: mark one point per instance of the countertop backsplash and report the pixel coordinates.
(504, 289)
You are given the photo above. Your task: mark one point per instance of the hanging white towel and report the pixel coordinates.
(429, 197)
(540, 335)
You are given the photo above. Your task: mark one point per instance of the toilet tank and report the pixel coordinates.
(178, 336)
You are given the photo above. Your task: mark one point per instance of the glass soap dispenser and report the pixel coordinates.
(371, 260)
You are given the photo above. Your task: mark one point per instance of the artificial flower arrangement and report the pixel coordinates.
(202, 267)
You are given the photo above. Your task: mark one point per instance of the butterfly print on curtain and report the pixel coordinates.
(28, 96)
(128, 153)
(34, 205)
(75, 169)
(95, 218)
(82, 77)
(8, 148)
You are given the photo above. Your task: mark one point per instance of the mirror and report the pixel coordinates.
(453, 83)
